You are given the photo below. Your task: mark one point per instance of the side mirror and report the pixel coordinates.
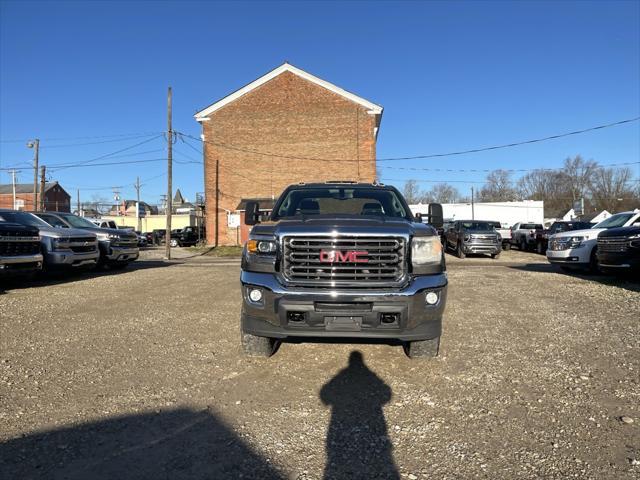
(418, 217)
(252, 213)
(436, 219)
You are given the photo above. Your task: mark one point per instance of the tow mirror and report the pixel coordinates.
(252, 213)
(436, 219)
(418, 217)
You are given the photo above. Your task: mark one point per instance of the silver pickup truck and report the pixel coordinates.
(19, 250)
(62, 249)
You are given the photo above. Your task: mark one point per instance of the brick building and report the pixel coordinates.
(287, 126)
(55, 197)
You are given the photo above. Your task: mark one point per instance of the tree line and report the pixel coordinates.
(613, 189)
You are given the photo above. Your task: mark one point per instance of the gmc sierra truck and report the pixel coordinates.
(346, 260)
(19, 250)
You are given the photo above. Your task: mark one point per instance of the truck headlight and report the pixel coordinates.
(59, 243)
(261, 246)
(425, 250)
(575, 242)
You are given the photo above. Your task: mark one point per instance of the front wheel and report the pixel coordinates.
(460, 251)
(523, 245)
(423, 348)
(173, 242)
(594, 267)
(540, 248)
(254, 346)
(507, 246)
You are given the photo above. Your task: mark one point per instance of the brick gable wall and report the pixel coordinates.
(286, 116)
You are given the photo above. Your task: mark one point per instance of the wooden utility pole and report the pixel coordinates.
(43, 171)
(137, 187)
(472, 207)
(217, 217)
(36, 146)
(79, 212)
(167, 238)
(13, 188)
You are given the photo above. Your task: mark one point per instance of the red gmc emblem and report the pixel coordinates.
(350, 256)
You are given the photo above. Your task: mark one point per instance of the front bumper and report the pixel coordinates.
(486, 248)
(20, 264)
(386, 314)
(122, 254)
(620, 261)
(69, 258)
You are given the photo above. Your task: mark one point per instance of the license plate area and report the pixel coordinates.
(343, 324)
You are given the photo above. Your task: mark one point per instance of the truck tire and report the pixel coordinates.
(594, 268)
(540, 248)
(523, 245)
(423, 348)
(460, 251)
(254, 346)
(506, 246)
(173, 242)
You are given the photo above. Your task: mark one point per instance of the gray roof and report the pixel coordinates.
(25, 187)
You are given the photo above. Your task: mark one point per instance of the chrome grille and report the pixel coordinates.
(613, 244)
(381, 262)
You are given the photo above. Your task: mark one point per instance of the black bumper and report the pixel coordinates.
(394, 315)
(629, 260)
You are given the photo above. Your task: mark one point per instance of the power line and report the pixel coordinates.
(418, 157)
(486, 170)
(124, 139)
(141, 134)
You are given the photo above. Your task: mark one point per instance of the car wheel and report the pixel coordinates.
(523, 245)
(594, 268)
(460, 251)
(254, 346)
(507, 246)
(540, 248)
(423, 348)
(173, 242)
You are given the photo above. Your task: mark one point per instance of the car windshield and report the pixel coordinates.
(476, 226)
(77, 222)
(614, 221)
(349, 201)
(23, 219)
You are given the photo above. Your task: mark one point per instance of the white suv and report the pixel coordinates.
(577, 248)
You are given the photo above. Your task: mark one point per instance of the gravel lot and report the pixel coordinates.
(138, 374)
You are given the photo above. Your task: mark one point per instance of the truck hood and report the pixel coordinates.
(53, 232)
(589, 233)
(319, 225)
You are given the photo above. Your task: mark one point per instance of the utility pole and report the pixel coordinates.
(137, 187)
(79, 211)
(472, 208)
(167, 238)
(13, 187)
(36, 146)
(43, 171)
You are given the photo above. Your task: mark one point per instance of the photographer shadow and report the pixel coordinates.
(358, 445)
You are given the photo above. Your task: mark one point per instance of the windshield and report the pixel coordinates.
(341, 201)
(615, 221)
(77, 222)
(23, 219)
(476, 226)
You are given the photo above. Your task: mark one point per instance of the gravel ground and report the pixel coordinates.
(138, 374)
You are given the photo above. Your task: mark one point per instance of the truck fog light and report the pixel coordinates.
(432, 298)
(255, 295)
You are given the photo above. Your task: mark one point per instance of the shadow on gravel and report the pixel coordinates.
(60, 277)
(358, 445)
(628, 281)
(178, 444)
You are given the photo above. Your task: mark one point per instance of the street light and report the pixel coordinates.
(35, 144)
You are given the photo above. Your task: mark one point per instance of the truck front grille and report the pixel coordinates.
(613, 244)
(344, 261)
(12, 246)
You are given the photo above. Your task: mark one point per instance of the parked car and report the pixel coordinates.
(505, 233)
(61, 249)
(578, 248)
(473, 236)
(542, 235)
(523, 235)
(99, 222)
(142, 239)
(184, 237)
(20, 253)
(158, 236)
(118, 248)
(619, 250)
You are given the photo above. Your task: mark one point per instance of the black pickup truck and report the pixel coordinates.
(619, 250)
(20, 252)
(342, 259)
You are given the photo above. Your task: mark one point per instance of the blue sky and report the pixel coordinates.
(450, 75)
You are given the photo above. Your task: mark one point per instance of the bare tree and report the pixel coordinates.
(498, 187)
(411, 192)
(549, 186)
(579, 173)
(612, 189)
(442, 193)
